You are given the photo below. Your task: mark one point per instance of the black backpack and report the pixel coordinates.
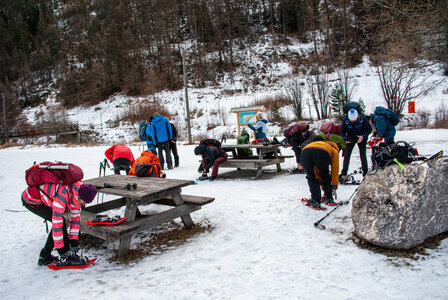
(384, 155)
(212, 142)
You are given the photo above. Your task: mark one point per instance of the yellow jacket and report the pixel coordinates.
(333, 150)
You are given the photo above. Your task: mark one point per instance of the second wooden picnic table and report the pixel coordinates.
(265, 155)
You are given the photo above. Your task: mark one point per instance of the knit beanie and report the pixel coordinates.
(87, 192)
(197, 150)
(352, 115)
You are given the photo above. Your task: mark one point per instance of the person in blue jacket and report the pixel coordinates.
(355, 130)
(162, 136)
(382, 127)
(260, 127)
(150, 143)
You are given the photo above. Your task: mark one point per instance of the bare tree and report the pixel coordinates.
(318, 89)
(401, 83)
(293, 91)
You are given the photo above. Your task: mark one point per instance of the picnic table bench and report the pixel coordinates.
(266, 155)
(148, 190)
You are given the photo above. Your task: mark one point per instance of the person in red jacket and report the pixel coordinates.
(121, 157)
(50, 204)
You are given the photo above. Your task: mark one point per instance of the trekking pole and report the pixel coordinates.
(435, 156)
(317, 223)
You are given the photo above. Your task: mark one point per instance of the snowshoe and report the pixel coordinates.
(105, 220)
(204, 177)
(71, 260)
(348, 180)
(57, 266)
(297, 171)
(306, 201)
(330, 202)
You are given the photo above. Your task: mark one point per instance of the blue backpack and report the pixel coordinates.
(142, 131)
(389, 114)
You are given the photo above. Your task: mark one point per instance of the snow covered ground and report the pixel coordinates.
(262, 245)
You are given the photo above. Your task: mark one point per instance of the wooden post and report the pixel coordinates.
(4, 113)
(187, 108)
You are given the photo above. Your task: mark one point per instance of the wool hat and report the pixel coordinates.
(197, 150)
(156, 114)
(259, 116)
(352, 114)
(87, 192)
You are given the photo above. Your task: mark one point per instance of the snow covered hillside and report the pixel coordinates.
(211, 105)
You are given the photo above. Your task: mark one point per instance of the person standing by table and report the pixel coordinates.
(318, 158)
(162, 136)
(260, 127)
(211, 156)
(355, 130)
(121, 157)
(173, 145)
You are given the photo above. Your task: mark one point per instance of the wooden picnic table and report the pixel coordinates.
(265, 155)
(148, 190)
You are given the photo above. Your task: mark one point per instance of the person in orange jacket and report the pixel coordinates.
(317, 158)
(121, 157)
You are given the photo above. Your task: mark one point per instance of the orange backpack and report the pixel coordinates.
(147, 165)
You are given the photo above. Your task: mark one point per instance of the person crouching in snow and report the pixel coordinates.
(51, 204)
(260, 127)
(211, 156)
(121, 157)
(317, 158)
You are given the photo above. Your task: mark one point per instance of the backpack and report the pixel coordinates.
(389, 114)
(298, 127)
(383, 155)
(147, 165)
(51, 172)
(212, 142)
(349, 105)
(330, 127)
(243, 139)
(142, 131)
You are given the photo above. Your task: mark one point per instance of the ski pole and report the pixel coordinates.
(317, 223)
(435, 156)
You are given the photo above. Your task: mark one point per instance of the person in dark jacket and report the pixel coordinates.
(121, 157)
(382, 127)
(260, 127)
(355, 130)
(162, 135)
(317, 159)
(211, 156)
(173, 145)
(298, 136)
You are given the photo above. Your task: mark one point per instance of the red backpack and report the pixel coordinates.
(298, 127)
(330, 127)
(51, 172)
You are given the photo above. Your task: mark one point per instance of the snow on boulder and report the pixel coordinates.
(399, 209)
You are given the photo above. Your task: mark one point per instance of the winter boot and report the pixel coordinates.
(329, 202)
(43, 261)
(204, 176)
(315, 205)
(71, 258)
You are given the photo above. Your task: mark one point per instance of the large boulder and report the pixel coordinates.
(399, 209)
